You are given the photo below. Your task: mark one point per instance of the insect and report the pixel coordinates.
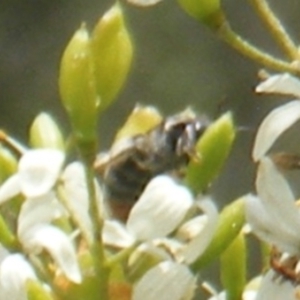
(134, 161)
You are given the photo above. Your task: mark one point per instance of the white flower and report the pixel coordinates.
(273, 215)
(143, 2)
(76, 197)
(38, 171)
(36, 233)
(14, 271)
(160, 211)
(275, 124)
(203, 231)
(167, 280)
(284, 84)
(279, 119)
(277, 289)
(275, 218)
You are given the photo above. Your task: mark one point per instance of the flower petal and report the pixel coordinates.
(76, 196)
(200, 242)
(272, 289)
(278, 198)
(143, 2)
(276, 122)
(10, 188)
(59, 246)
(160, 209)
(39, 170)
(267, 228)
(284, 84)
(14, 271)
(167, 280)
(115, 234)
(39, 210)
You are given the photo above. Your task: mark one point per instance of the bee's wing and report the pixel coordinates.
(103, 159)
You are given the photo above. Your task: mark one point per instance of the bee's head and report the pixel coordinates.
(183, 131)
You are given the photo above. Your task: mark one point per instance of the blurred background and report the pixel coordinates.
(178, 63)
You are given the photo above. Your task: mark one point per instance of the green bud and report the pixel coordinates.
(233, 268)
(44, 133)
(213, 149)
(206, 11)
(8, 164)
(231, 221)
(112, 54)
(141, 120)
(35, 291)
(7, 239)
(77, 85)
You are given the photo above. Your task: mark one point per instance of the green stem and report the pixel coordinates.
(276, 29)
(88, 153)
(234, 40)
(44, 274)
(120, 256)
(97, 248)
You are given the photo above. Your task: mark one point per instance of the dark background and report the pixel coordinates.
(178, 62)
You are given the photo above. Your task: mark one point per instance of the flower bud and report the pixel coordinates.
(36, 291)
(213, 149)
(233, 267)
(141, 119)
(231, 221)
(77, 85)
(44, 133)
(112, 54)
(206, 11)
(7, 239)
(8, 164)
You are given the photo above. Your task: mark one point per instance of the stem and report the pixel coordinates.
(276, 29)
(97, 248)
(12, 144)
(44, 274)
(120, 256)
(88, 154)
(248, 50)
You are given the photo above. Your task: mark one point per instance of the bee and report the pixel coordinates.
(134, 161)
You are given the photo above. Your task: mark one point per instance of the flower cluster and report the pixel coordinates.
(273, 214)
(35, 180)
(156, 227)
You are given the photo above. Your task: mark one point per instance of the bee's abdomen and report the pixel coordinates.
(125, 181)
